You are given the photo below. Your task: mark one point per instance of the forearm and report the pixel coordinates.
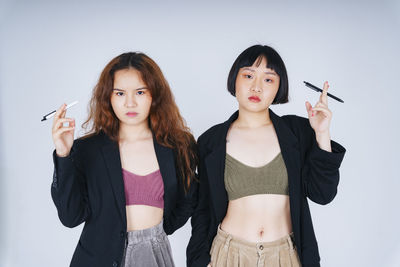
(197, 252)
(321, 172)
(184, 209)
(69, 192)
(198, 247)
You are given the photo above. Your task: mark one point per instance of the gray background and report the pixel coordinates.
(52, 52)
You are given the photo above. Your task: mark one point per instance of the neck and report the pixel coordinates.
(249, 119)
(132, 133)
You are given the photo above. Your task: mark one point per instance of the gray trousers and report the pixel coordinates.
(148, 247)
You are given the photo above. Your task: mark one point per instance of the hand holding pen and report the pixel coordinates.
(320, 118)
(51, 114)
(63, 137)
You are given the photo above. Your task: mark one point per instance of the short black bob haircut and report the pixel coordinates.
(274, 62)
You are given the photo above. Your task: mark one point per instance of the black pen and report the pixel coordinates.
(51, 114)
(313, 87)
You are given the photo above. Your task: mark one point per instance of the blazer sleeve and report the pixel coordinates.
(69, 190)
(320, 172)
(197, 252)
(186, 203)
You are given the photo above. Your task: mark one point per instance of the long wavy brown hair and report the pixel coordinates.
(165, 121)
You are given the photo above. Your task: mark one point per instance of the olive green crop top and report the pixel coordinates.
(242, 180)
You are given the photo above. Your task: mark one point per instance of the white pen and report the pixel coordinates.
(51, 114)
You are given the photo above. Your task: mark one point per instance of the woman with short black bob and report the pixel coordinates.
(256, 171)
(131, 178)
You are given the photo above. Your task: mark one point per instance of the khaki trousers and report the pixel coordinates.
(229, 251)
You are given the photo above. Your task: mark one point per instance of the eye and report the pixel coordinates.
(268, 80)
(140, 92)
(119, 93)
(247, 76)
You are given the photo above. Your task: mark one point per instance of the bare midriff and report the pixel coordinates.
(140, 217)
(258, 218)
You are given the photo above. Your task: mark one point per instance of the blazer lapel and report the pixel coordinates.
(166, 162)
(291, 155)
(112, 160)
(215, 166)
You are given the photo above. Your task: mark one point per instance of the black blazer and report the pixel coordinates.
(312, 173)
(88, 187)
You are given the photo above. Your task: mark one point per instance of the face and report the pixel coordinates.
(130, 100)
(256, 87)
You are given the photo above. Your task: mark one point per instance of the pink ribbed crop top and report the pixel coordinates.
(144, 190)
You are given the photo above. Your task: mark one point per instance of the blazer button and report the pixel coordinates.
(122, 234)
(115, 264)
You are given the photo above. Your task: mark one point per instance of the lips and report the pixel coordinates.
(131, 114)
(254, 99)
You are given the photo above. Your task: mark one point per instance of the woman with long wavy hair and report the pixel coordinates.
(131, 177)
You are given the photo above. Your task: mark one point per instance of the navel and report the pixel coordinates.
(261, 232)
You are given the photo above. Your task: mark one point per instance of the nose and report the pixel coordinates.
(256, 86)
(130, 101)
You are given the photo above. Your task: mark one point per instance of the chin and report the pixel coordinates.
(133, 122)
(254, 108)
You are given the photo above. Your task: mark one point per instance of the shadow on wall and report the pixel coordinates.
(2, 189)
(4, 7)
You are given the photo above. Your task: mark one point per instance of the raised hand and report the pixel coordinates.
(320, 116)
(63, 137)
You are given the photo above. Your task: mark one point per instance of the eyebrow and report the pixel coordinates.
(140, 88)
(266, 72)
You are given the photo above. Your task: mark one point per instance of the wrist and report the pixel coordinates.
(62, 154)
(324, 140)
(322, 133)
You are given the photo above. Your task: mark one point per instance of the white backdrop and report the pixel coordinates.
(52, 52)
